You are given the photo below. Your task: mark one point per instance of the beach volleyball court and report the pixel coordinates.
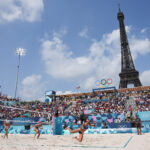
(67, 142)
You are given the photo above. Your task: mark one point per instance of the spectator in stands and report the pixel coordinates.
(99, 103)
(104, 125)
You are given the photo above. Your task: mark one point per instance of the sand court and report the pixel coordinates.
(67, 142)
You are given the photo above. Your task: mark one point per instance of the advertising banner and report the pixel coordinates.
(119, 125)
(48, 96)
(26, 121)
(145, 115)
(146, 126)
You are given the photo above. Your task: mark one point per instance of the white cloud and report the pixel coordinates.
(60, 63)
(68, 92)
(143, 30)
(32, 87)
(63, 93)
(25, 10)
(84, 32)
(59, 93)
(145, 77)
(89, 82)
(139, 46)
(102, 60)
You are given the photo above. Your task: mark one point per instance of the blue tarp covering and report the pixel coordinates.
(25, 121)
(96, 100)
(9, 103)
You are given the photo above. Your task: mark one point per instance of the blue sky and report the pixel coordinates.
(69, 43)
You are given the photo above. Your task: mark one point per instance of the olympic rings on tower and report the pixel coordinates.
(104, 83)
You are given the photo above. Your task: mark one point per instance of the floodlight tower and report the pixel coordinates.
(0, 90)
(19, 52)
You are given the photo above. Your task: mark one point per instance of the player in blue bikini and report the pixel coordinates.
(82, 129)
(36, 129)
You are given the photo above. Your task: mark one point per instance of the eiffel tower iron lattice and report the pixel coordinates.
(128, 75)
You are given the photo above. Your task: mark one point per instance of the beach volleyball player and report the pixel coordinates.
(84, 126)
(36, 129)
(7, 124)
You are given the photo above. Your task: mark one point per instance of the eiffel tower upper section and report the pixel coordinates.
(128, 73)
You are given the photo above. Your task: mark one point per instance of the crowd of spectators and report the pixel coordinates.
(4, 97)
(32, 109)
(99, 103)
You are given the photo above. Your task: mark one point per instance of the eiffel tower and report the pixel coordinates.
(128, 75)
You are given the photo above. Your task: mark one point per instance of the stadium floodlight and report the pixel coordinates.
(19, 52)
(0, 90)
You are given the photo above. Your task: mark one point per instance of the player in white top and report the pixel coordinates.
(7, 124)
